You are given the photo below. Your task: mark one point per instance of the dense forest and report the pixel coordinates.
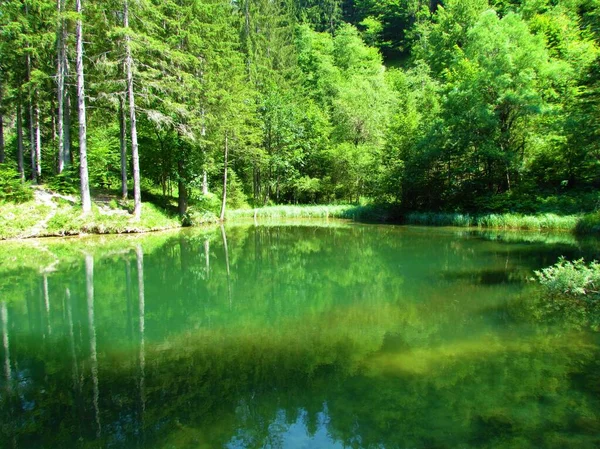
(469, 105)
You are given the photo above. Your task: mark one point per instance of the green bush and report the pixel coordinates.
(12, 189)
(572, 279)
(66, 182)
(570, 292)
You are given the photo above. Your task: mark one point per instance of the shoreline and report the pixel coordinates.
(157, 220)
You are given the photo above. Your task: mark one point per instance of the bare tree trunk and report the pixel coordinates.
(137, 194)
(1, 123)
(38, 141)
(20, 149)
(86, 201)
(67, 118)
(182, 197)
(32, 142)
(225, 179)
(204, 175)
(60, 86)
(204, 182)
(123, 138)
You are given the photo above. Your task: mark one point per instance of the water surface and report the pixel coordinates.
(281, 336)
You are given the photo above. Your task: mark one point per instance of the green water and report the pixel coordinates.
(311, 336)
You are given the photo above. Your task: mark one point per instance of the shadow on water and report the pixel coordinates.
(264, 337)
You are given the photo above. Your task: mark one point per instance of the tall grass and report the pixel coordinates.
(359, 213)
(497, 221)
(583, 224)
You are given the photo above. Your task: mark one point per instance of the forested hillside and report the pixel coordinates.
(457, 105)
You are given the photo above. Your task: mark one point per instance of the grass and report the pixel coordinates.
(17, 219)
(32, 219)
(370, 213)
(540, 222)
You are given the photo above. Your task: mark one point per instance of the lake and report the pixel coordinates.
(297, 335)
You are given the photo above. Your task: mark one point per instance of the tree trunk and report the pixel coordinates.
(38, 141)
(32, 142)
(60, 87)
(182, 198)
(1, 123)
(20, 149)
(123, 138)
(204, 182)
(224, 200)
(204, 174)
(67, 118)
(137, 195)
(86, 202)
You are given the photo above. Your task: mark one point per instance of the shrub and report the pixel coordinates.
(12, 189)
(571, 279)
(570, 293)
(66, 182)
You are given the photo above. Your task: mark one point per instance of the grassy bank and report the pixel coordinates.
(57, 217)
(52, 215)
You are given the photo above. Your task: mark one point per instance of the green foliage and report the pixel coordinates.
(66, 182)
(571, 289)
(12, 189)
(576, 280)
(475, 106)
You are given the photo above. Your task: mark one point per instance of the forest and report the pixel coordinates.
(456, 106)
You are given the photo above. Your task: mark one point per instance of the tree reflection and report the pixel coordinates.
(352, 337)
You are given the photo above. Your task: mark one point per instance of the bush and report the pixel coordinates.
(12, 189)
(66, 182)
(571, 279)
(570, 293)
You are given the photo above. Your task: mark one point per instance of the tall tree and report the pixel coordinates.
(137, 193)
(86, 202)
(61, 70)
(1, 119)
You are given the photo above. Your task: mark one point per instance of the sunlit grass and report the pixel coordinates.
(540, 222)
(39, 220)
(345, 211)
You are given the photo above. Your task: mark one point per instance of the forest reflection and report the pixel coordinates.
(337, 336)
